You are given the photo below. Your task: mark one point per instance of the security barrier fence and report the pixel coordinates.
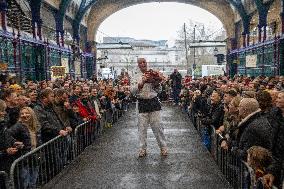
(236, 171)
(37, 167)
(3, 179)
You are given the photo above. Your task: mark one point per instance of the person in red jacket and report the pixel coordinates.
(86, 110)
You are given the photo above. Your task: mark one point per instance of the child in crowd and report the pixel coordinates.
(258, 159)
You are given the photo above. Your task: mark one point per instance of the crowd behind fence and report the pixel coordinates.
(236, 171)
(37, 167)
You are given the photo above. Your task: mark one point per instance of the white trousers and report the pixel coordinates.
(154, 120)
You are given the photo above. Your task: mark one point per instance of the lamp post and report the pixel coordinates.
(186, 50)
(194, 64)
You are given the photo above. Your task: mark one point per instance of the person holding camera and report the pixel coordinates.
(8, 145)
(27, 131)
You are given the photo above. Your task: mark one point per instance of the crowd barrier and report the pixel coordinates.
(236, 171)
(37, 167)
(4, 179)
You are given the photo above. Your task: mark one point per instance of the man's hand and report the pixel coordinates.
(69, 129)
(12, 151)
(220, 130)
(224, 145)
(19, 145)
(63, 133)
(268, 180)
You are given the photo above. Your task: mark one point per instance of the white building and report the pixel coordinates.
(158, 55)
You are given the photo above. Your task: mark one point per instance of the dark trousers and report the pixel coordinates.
(176, 92)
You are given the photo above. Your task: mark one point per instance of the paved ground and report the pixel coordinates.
(112, 161)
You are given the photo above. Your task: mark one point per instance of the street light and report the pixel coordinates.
(194, 63)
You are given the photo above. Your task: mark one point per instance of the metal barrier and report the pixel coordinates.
(236, 171)
(40, 165)
(35, 168)
(3, 180)
(84, 136)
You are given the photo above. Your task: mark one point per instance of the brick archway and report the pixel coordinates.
(105, 8)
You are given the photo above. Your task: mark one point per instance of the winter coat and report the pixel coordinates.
(216, 116)
(6, 141)
(254, 130)
(63, 113)
(50, 122)
(278, 145)
(76, 120)
(86, 110)
(21, 133)
(176, 80)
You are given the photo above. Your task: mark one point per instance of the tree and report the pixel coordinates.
(195, 32)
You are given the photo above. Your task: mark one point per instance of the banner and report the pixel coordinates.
(251, 61)
(65, 63)
(3, 66)
(77, 65)
(57, 72)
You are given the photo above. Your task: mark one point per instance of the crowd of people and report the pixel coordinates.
(35, 112)
(248, 114)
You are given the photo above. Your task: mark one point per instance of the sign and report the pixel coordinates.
(3, 66)
(65, 63)
(57, 72)
(77, 65)
(210, 70)
(251, 61)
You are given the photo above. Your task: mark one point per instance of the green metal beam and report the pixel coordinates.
(84, 7)
(246, 18)
(263, 11)
(61, 14)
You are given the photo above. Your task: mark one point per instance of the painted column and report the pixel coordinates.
(57, 38)
(34, 29)
(282, 15)
(62, 38)
(3, 9)
(248, 39)
(259, 33)
(15, 51)
(39, 29)
(19, 55)
(264, 33)
(244, 39)
(233, 42)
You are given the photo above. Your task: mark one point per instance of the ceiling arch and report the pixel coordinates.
(105, 8)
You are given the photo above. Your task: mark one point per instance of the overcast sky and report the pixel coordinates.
(154, 21)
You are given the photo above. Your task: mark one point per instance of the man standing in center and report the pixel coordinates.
(149, 107)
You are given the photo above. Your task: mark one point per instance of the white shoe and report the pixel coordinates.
(142, 153)
(164, 152)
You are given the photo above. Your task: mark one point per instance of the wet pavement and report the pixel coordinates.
(112, 161)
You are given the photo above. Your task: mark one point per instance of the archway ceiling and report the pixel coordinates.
(102, 9)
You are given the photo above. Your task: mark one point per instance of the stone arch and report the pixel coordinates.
(105, 8)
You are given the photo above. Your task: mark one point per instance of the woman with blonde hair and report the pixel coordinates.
(27, 130)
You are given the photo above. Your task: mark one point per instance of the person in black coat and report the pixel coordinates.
(274, 176)
(253, 129)
(176, 85)
(51, 125)
(7, 145)
(216, 112)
